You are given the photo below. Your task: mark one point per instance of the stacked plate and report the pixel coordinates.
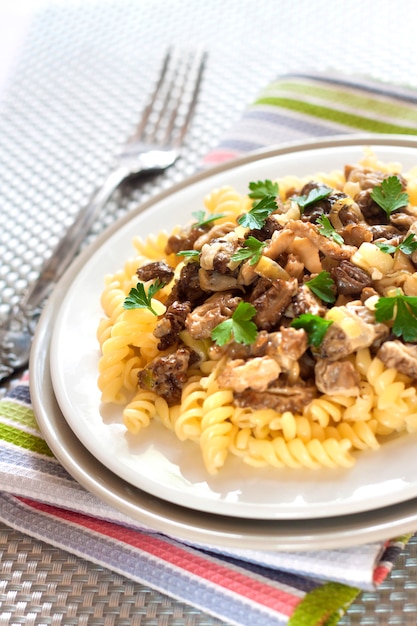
(160, 481)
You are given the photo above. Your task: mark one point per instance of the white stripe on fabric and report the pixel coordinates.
(372, 91)
(265, 126)
(17, 424)
(398, 93)
(339, 107)
(140, 566)
(328, 103)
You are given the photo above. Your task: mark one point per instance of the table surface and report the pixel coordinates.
(73, 77)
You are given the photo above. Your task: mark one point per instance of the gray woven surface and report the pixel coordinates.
(395, 601)
(40, 584)
(83, 76)
(88, 66)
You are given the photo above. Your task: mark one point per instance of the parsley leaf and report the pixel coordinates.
(189, 253)
(403, 311)
(263, 188)
(252, 249)
(314, 195)
(239, 327)
(202, 219)
(389, 195)
(327, 229)
(408, 245)
(322, 286)
(257, 216)
(138, 299)
(386, 247)
(314, 325)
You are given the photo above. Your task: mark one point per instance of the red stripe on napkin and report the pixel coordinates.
(215, 157)
(225, 577)
(381, 572)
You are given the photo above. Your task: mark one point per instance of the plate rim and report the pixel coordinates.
(186, 524)
(273, 151)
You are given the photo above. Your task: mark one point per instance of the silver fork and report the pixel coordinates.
(154, 147)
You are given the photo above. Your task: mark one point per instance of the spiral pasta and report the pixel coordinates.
(188, 423)
(297, 454)
(139, 412)
(216, 428)
(326, 432)
(131, 329)
(226, 201)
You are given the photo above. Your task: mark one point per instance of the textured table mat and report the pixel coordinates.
(61, 122)
(43, 585)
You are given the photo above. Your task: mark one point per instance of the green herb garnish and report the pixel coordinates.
(252, 249)
(189, 253)
(314, 195)
(386, 247)
(327, 229)
(389, 195)
(408, 246)
(202, 219)
(257, 216)
(139, 299)
(263, 188)
(314, 325)
(239, 327)
(322, 286)
(403, 311)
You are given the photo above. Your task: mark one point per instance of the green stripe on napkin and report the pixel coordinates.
(338, 116)
(24, 440)
(20, 414)
(323, 606)
(298, 107)
(368, 103)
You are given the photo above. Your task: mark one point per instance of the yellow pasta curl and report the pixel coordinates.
(139, 412)
(153, 248)
(329, 429)
(188, 422)
(132, 328)
(228, 202)
(216, 427)
(297, 454)
(112, 299)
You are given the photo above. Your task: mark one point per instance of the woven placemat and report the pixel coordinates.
(88, 66)
(40, 584)
(395, 601)
(83, 76)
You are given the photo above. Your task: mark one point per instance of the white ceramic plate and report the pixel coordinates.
(180, 522)
(155, 461)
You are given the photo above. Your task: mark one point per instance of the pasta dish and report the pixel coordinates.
(278, 325)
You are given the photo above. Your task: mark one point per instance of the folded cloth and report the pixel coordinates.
(241, 587)
(307, 106)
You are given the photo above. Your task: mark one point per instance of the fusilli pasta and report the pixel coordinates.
(328, 428)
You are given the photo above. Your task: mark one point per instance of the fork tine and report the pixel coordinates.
(168, 99)
(197, 71)
(186, 99)
(173, 101)
(138, 135)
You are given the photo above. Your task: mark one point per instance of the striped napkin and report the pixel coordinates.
(299, 107)
(241, 587)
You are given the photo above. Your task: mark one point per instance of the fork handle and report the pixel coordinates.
(55, 266)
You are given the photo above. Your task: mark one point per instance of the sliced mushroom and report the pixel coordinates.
(400, 356)
(337, 378)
